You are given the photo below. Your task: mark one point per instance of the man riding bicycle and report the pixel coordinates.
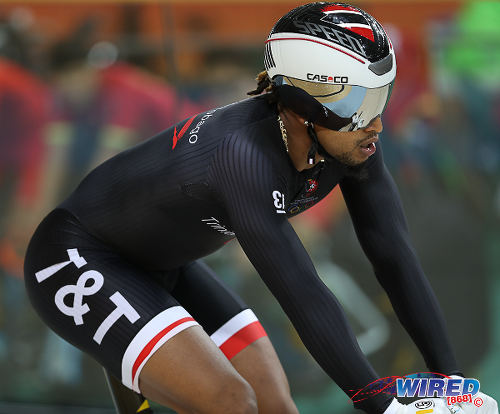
(115, 269)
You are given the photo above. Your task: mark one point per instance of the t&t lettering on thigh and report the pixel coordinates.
(79, 291)
(74, 257)
(123, 308)
(83, 288)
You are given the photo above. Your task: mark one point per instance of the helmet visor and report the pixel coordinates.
(359, 104)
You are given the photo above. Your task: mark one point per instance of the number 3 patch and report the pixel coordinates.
(279, 202)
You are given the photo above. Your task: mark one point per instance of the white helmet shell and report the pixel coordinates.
(331, 43)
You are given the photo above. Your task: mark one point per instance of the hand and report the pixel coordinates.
(482, 404)
(426, 405)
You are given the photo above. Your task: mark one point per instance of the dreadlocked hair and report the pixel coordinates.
(263, 84)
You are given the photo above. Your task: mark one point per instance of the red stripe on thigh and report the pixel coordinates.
(149, 347)
(241, 339)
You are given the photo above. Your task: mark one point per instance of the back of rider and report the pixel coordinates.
(158, 203)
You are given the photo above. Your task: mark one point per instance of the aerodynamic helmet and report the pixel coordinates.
(331, 63)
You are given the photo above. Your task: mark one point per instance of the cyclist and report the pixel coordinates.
(115, 269)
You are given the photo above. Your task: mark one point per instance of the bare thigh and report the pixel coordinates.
(191, 375)
(260, 366)
(215, 306)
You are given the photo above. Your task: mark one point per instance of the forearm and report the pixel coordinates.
(417, 308)
(322, 325)
(378, 217)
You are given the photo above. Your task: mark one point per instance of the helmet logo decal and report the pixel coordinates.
(325, 78)
(348, 18)
(331, 34)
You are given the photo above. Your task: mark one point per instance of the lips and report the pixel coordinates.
(369, 142)
(368, 147)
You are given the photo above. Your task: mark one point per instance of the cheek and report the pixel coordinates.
(339, 148)
(345, 145)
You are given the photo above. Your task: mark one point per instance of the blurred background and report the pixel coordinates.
(80, 81)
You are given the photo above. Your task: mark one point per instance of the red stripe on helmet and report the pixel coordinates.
(363, 31)
(341, 8)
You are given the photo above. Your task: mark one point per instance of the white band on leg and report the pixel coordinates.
(149, 339)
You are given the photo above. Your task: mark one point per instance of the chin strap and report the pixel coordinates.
(316, 147)
(311, 155)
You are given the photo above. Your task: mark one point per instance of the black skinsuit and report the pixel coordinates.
(187, 191)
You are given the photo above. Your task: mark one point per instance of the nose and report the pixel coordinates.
(375, 125)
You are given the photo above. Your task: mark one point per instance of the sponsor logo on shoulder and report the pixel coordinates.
(193, 134)
(178, 135)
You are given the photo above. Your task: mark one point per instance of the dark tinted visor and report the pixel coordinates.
(335, 106)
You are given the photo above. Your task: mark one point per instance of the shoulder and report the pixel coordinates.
(251, 157)
(255, 143)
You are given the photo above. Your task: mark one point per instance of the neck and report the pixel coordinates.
(299, 140)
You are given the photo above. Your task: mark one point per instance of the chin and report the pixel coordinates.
(352, 167)
(348, 161)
